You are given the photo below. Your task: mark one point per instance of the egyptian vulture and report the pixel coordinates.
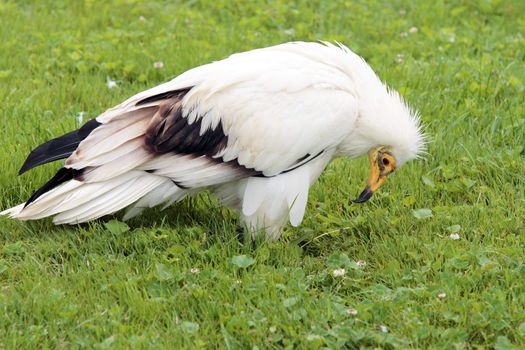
(256, 129)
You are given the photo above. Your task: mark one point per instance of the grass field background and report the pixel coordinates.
(181, 278)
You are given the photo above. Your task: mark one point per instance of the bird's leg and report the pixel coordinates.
(241, 235)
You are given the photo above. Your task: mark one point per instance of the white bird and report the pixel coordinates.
(256, 129)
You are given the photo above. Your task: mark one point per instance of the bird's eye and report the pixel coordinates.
(385, 161)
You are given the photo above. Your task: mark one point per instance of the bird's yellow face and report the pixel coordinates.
(382, 164)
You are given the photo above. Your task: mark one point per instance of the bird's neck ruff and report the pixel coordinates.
(384, 119)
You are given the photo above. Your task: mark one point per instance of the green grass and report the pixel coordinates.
(107, 285)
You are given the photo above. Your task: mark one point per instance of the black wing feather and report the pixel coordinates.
(60, 177)
(170, 131)
(58, 148)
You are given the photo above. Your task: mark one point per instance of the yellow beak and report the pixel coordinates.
(376, 178)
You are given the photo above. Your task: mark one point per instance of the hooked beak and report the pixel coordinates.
(376, 178)
(364, 196)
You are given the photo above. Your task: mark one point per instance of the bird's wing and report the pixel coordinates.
(266, 111)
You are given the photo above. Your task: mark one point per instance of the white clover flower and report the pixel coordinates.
(403, 34)
(454, 236)
(195, 270)
(110, 83)
(339, 272)
(412, 30)
(351, 311)
(400, 58)
(158, 65)
(382, 328)
(442, 295)
(80, 117)
(361, 263)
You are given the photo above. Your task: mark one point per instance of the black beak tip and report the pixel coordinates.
(364, 196)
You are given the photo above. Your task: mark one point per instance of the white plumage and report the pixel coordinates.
(257, 129)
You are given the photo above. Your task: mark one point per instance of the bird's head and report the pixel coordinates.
(391, 133)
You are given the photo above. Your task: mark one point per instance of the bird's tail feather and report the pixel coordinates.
(13, 211)
(77, 202)
(168, 192)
